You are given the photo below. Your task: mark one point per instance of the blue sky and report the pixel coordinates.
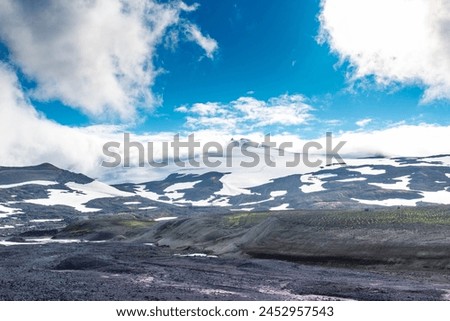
(265, 50)
(75, 71)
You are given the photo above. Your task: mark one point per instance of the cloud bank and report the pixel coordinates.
(206, 42)
(363, 122)
(93, 55)
(394, 41)
(28, 138)
(97, 56)
(246, 114)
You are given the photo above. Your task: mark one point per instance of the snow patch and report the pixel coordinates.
(311, 183)
(355, 179)
(229, 189)
(439, 197)
(172, 192)
(368, 170)
(445, 160)
(79, 195)
(147, 208)
(141, 191)
(277, 193)
(223, 201)
(282, 207)
(169, 218)
(8, 211)
(401, 184)
(47, 220)
(38, 241)
(197, 255)
(180, 186)
(174, 196)
(42, 183)
(46, 240)
(327, 175)
(389, 202)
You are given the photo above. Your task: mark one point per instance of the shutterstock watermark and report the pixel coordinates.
(189, 152)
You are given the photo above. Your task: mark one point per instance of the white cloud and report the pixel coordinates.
(247, 113)
(182, 109)
(333, 122)
(188, 8)
(205, 109)
(92, 55)
(29, 138)
(403, 140)
(206, 42)
(363, 122)
(395, 41)
(284, 110)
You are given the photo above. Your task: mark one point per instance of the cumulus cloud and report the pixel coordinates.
(363, 122)
(403, 140)
(206, 42)
(97, 56)
(206, 109)
(92, 55)
(392, 41)
(28, 138)
(247, 113)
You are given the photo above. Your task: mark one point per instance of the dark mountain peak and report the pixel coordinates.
(435, 156)
(44, 171)
(243, 142)
(45, 166)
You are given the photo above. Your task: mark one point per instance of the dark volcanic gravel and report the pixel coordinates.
(131, 271)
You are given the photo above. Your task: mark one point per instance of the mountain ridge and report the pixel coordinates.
(45, 191)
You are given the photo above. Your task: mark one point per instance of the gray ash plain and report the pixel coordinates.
(389, 254)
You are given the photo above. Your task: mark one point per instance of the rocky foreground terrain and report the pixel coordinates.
(376, 254)
(230, 234)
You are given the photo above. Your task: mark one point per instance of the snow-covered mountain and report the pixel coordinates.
(45, 193)
(359, 183)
